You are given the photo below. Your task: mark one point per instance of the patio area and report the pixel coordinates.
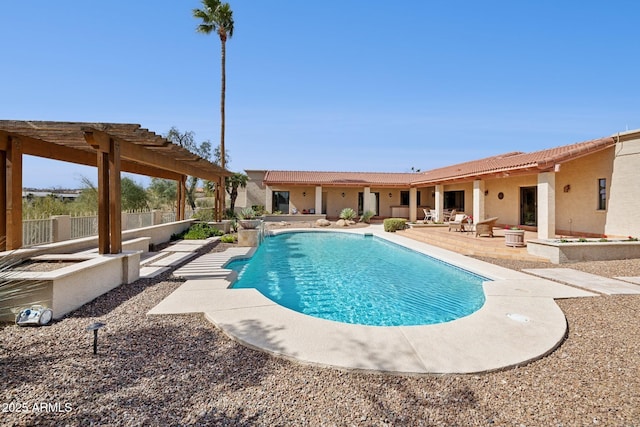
(466, 243)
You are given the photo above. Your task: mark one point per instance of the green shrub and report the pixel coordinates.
(259, 209)
(228, 238)
(366, 217)
(201, 231)
(347, 214)
(205, 214)
(394, 224)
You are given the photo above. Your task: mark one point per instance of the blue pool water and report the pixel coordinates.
(358, 279)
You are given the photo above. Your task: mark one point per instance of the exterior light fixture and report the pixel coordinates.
(94, 327)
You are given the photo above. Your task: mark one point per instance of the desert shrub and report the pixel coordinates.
(201, 231)
(366, 217)
(347, 214)
(205, 214)
(394, 224)
(247, 213)
(259, 209)
(228, 238)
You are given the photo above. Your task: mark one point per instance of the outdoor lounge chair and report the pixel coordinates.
(448, 216)
(458, 222)
(486, 226)
(428, 215)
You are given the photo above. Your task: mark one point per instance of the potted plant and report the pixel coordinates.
(247, 219)
(514, 236)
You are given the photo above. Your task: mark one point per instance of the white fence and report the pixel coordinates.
(37, 231)
(63, 227)
(83, 226)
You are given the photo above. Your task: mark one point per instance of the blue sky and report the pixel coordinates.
(336, 85)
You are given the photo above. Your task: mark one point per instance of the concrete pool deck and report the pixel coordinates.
(518, 323)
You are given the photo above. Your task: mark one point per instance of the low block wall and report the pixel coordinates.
(294, 217)
(156, 235)
(68, 288)
(573, 251)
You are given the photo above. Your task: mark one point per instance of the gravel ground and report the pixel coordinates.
(181, 370)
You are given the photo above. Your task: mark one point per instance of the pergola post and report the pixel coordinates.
(4, 142)
(13, 194)
(220, 195)
(115, 199)
(181, 197)
(103, 203)
(109, 192)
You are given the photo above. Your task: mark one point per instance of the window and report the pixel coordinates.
(281, 201)
(374, 203)
(404, 198)
(602, 194)
(454, 200)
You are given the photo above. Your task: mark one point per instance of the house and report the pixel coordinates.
(590, 188)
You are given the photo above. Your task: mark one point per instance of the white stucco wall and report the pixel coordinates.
(624, 193)
(255, 192)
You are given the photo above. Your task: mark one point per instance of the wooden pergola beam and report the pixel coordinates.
(112, 148)
(173, 163)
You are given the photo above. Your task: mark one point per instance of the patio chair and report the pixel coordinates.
(486, 226)
(448, 216)
(429, 215)
(458, 222)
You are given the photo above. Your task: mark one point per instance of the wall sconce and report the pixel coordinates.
(390, 195)
(567, 188)
(342, 194)
(304, 194)
(486, 192)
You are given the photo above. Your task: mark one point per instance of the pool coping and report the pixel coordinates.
(519, 322)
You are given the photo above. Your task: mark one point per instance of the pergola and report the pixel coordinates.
(112, 148)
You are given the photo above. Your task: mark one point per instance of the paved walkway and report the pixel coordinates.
(592, 282)
(155, 263)
(519, 321)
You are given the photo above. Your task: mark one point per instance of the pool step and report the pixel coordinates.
(468, 244)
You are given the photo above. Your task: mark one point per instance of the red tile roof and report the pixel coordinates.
(338, 178)
(516, 162)
(508, 163)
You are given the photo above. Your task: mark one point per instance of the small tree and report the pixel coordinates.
(134, 196)
(162, 193)
(187, 141)
(232, 183)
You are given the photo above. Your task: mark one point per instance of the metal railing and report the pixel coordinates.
(41, 231)
(84, 226)
(37, 231)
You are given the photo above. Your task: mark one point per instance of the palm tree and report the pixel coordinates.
(232, 183)
(217, 16)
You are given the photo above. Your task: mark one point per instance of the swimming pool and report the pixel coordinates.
(358, 279)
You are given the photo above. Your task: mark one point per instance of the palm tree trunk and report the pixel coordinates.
(222, 120)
